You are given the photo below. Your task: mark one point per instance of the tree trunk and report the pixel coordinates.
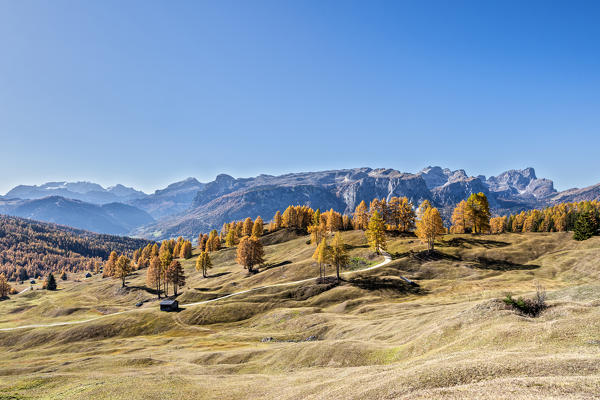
(337, 272)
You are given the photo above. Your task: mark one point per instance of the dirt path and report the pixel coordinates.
(387, 259)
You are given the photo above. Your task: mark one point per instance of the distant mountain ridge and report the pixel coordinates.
(227, 198)
(188, 207)
(110, 218)
(85, 191)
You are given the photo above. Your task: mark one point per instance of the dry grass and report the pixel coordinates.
(450, 339)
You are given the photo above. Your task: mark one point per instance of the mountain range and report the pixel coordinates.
(188, 207)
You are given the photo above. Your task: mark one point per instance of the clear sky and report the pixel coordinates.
(148, 92)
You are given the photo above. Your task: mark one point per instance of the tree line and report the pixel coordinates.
(31, 249)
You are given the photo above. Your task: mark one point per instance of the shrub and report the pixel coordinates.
(529, 307)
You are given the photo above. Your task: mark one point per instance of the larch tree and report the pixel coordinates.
(230, 238)
(478, 212)
(375, 233)
(97, 266)
(153, 274)
(289, 218)
(459, 218)
(339, 255)
(177, 249)
(346, 222)
(425, 204)
(250, 252)
(247, 228)
(166, 257)
(277, 221)
(110, 265)
(322, 257)
(318, 228)
(497, 225)
(430, 227)
(334, 221)
(213, 243)
(4, 287)
(123, 268)
(202, 238)
(186, 250)
(203, 263)
(361, 216)
(258, 227)
(176, 275)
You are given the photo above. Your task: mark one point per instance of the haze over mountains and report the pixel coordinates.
(189, 206)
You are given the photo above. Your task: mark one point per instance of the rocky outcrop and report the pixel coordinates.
(173, 199)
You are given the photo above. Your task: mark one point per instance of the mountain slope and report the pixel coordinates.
(112, 218)
(173, 199)
(40, 247)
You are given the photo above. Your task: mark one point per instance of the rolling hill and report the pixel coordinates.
(371, 336)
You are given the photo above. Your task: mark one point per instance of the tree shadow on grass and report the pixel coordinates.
(208, 289)
(144, 288)
(395, 284)
(500, 265)
(267, 267)
(433, 255)
(473, 241)
(218, 274)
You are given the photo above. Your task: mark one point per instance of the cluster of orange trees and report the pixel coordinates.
(558, 218)
(163, 268)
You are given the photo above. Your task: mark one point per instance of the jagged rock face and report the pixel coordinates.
(589, 193)
(521, 183)
(455, 191)
(173, 199)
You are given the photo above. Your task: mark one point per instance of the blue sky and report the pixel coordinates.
(147, 92)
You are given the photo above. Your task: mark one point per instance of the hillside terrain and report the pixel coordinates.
(37, 248)
(375, 335)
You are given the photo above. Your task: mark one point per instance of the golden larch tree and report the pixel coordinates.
(247, 227)
(322, 257)
(277, 221)
(153, 274)
(122, 269)
(250, 253)
(258, 227)
(430, 227)
(339, 255)
(459, 218)
(375, 233)
(361, 216)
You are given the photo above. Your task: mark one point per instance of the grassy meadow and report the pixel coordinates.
(373, 336)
